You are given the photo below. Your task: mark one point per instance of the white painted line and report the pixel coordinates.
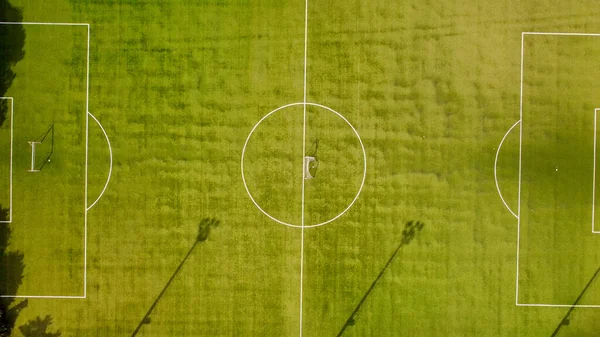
(87, 99)
(520, 171)
(10, 165)
(44, 23)
(557, 305)
(110, 162)
(594, 176)
(87, 133)
(520, 176)
(495, 169)
(303, 168)
(37, 296)
(561, 34)
(364, 165)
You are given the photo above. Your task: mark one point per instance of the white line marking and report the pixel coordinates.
(87, 99)
(561, 34)
(557, 305)
(495, 169)
(364, 165)
(520, 171)
(110, 163)
(87, 129)
(37, 296)
(520, 168)
(594, 176)
(303, 168)
(44, 23)
(12, 130)
(10, 166)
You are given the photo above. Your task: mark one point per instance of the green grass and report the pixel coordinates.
(431, 87)
(5, 141)
(48, 207)
(558, 117)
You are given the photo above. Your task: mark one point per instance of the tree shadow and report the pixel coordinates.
(12, 41)
(11, 277)
(204, 229)
(411, 228)
(38, 327)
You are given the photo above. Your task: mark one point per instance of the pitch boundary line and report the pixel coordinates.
(10, 165)
(520, 174)
(85, 210)
(110, 152)
(495, 169)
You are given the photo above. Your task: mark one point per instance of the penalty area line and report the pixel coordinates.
(594, 231)
(38, 296)
(85, 210)
(557, 305)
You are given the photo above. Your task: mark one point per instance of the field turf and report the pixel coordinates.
(431, 88)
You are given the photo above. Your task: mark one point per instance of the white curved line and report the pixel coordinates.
(362, 184)
(111, 162)
(364, 170)
(496, 164)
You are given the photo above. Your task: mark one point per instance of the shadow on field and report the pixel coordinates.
(11, 277)
(38, 327)
(12, 40)
(567, 319)
(204, 229)
(408, 234)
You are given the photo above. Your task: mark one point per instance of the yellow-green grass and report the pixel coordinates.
(5, 145)
(49, 206)
(558, 251)
(430, 87)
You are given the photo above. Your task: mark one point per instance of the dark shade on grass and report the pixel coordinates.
(565, 320)
(38, 327)
(408, 234)
(203, 230)
(12, 41)
(11, 276)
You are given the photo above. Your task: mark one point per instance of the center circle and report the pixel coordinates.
(333, 158)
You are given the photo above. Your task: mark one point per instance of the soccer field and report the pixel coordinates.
(301, 168)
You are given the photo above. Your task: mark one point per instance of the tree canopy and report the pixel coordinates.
(12, 42)
(11, 276)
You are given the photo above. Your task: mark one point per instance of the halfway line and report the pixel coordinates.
(303, 166)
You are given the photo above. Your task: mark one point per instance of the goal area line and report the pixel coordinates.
(10, 165)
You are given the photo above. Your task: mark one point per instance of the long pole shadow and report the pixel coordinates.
(203, 230)
(408, 234)
(566, 319)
